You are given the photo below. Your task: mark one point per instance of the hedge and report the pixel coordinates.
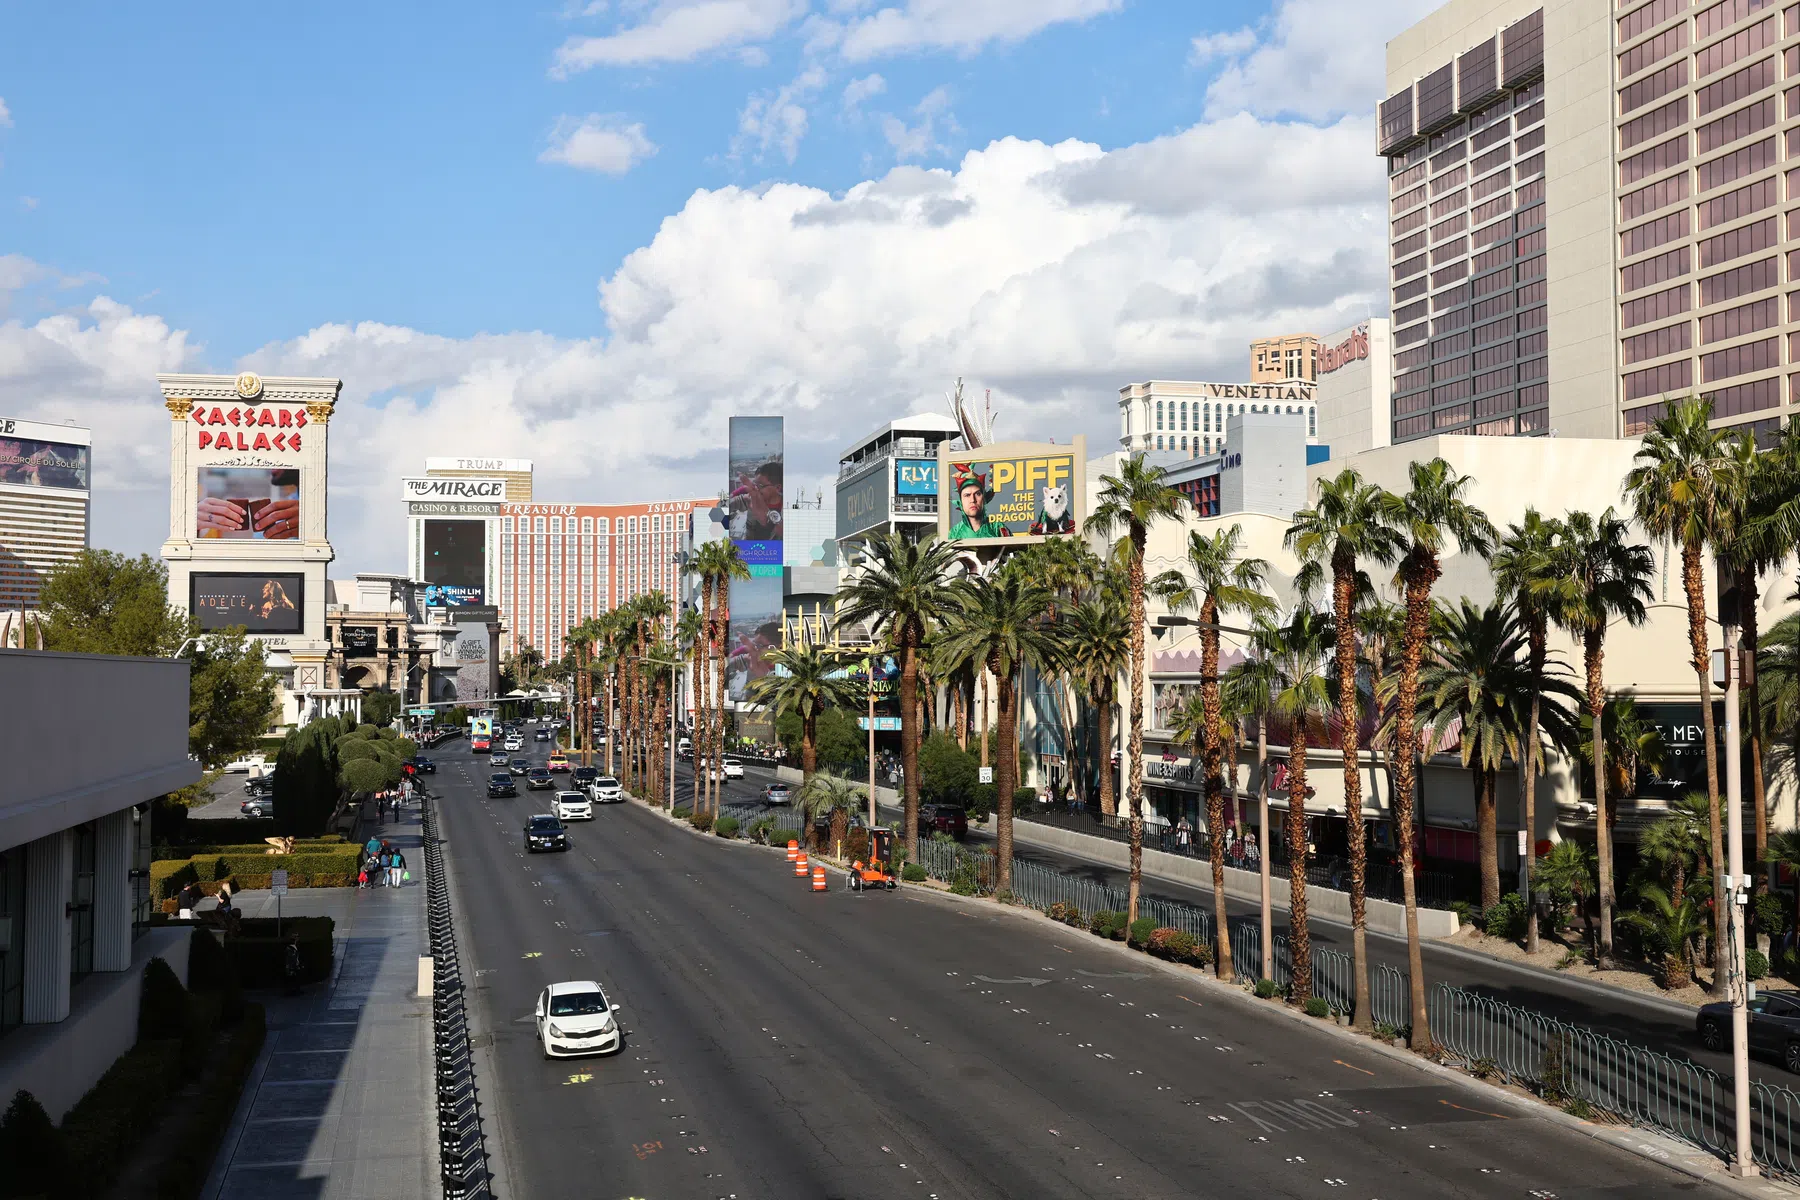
(319, 845)
(105, 1125)
(321, 867)
(260, 958)
(189, 1156)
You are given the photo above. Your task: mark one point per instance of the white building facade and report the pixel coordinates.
(1164, 415)
(45, 475)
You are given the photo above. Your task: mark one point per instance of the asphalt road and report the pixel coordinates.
(785, 1044)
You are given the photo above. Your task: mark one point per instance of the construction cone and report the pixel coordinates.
(818, 879)
(800, 865)
(793, 850)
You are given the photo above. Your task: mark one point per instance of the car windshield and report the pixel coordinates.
(545, 825)
(607, 781)
(500, 779)
(539, 771)
(578, 1004)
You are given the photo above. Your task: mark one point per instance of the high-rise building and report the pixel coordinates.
(1356, 388)
(1291, 356)
(44, 480)
(561, 564)
(1585, 207)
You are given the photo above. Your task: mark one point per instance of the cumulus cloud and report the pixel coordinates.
(1210, 46)
(777, 119)
(679, 31)
(858, 90)
(1317, 60)
(606, 144)
(956, 25)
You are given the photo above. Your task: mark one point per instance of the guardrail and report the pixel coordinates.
(462, 1142)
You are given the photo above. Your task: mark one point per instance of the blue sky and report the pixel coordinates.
(544, 227)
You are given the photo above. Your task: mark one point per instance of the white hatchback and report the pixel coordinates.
(576, 1018)
(606, 790)
(734, 769)
(574, 806)
(515, 744)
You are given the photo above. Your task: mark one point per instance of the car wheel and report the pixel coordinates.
(1790, 1058)
(545, 1047)
(1712, 1036)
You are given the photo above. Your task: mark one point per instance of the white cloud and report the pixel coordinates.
(778, 118)
(958, 25)
(598, 143)
(679, 31)
(858, 90)
(5, 114)
(1318, 59)
(920, 140)
(1210, 46)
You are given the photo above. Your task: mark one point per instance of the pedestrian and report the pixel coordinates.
(372, 846)
(396, 868)
(1184, 835)
(1251, 854)
(190, 895)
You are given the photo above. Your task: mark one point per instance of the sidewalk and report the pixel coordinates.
(340, 1106)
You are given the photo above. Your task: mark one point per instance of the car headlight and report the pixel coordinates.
(556, 1030)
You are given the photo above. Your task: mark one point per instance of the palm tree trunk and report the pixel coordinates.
(1343, 584)
(984, 717)
(1210, 756)
(1420, 575)
(1006, 774)
(909, 737)
(715, 765)
(1593, 652)
(1694, 583)
(1528, 770)
(1299, 935)
(809, 746)
(1487, 836)
(1109, 802)
(1135, 783)
(1267, 850)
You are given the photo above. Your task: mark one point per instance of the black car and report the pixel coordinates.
(517, 765)
(542, 735)
(254, 808)
(539, 777)
(1774, 1028)
(423, 765)
(545, 832)
(584, 776)
(501, 785)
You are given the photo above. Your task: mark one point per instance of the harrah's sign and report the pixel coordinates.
(1351, 349)
(248, 427)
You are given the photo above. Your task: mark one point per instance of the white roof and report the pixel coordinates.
(576, 985)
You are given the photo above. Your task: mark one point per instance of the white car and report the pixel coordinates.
(606, 790)
(255, 764)
(514, 744)
(573, 806)
(576, 1018)
(734, 769)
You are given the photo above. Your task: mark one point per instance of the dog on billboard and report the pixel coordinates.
(1053, 512)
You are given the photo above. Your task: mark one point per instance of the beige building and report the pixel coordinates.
(1189, 418)
(1586, 215)
(1291, 356)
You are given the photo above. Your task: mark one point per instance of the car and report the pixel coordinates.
(539, 777)
(514, 742)
(500, 786)
(734, 769)
(502, 759)
(545, 832)
(558, 762)
(1774, 1028)
(254, 808)
(777, 793)
(606, 790)
(576, 1018)
(255, 764)
(259, 785)
(542, 735)
(684, 749)
(948, 819)
(517, 765)
(574, 806)
(423, 765)
(584, 776)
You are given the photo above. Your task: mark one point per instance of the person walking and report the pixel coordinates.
(396, 868)
(190, 896)
(372, 846)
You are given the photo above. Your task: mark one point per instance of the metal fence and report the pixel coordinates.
(1572, 1063)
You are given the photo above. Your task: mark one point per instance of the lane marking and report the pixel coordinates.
(1484, 1112)
(1340, 1062)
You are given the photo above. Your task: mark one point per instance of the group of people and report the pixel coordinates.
(383, 864)
(1241, 849)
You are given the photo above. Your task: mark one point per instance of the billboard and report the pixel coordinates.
(1020, 491)
(247, 503)
(30, 462)
(862, 502)
(753, 630)
(754, 495)
(472, 660)
(455, 562)
(491, 491)
(915, 476)
(262, 602)
(360, 641)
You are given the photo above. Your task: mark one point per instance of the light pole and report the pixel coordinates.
(872, 820)
(1737, 889)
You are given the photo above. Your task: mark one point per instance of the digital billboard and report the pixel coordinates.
(1013, 490)
(753, 630)
(455, 562)
(247, 503)
(360, 641)
(259, 601)
(915, 477)
(472, 661)
(754, 495)
(29, 462)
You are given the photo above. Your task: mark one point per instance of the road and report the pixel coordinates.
(785, 1044)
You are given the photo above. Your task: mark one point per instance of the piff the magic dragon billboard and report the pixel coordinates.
(1018, 491)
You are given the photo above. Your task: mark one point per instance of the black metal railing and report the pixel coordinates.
(462, 1141)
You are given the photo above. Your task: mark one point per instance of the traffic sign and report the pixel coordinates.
(987, 775)
(278, 882)
(420, 712)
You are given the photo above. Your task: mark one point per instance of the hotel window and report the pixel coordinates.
(1159, 441)
(1312, 422)
(587, 524)
(539, 526)
(506, 525)
(1159, 424)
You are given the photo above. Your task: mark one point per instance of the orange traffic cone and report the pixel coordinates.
(818, 879)
(800, 865)
(793, 850)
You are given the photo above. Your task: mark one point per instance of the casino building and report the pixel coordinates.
(44, 478)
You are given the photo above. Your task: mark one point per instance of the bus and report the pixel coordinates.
(480, 744)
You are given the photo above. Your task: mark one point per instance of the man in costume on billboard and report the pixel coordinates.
(973, 491)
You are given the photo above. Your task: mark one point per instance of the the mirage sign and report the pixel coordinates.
(490, 491)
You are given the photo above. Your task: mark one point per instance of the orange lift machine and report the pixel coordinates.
(875, 873)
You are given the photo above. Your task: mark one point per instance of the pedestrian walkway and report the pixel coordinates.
(340, 1106)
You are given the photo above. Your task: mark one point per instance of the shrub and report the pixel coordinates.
(856, 845)
(1756, 963)
(1266, 989)
(1173, 944)
(189, 1157)
(1505, 918)
(162, 1007)
(726, 827)
(1068, 914)
(1024, 799)
(1316, 1007)
(259, 956)
(1789, 964)
(32, 1157)
(168, 878)
(1465, 912)
(1484, 1068)
(200, 1021)
(1768, 913)
(210, 969)
(982, 799)
(1139, 933)
(1104, 921)
(914, 873)
(118, 1111)
(701, 820)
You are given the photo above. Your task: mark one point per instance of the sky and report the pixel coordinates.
(588, 235)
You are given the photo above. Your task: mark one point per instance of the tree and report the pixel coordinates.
(1002, 621)
(1566, 875)
(831, 797)
(717, 564)
(806, 680)
(1096, 649)
(948, 773)
(1784, 848)
(1250, 687)
(1676, 844)
(382, 707)
(1525, 573)
(1432, 512)
(231, 697)
(1346, 528)
(1685, 481)
(1671, 927)
(1217, 583)
(1480, 680)
(1129, 504)
(1630, 742)
(1301, 694)
(898, 589)
(1778, 674)
(101, 602)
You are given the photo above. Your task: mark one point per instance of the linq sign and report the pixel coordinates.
(256, 419)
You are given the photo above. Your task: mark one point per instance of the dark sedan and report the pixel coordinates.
(944, 818)
(423, 765)
(539, 777)
(585, 775)
(545, 832)
(542, 735)
(501, 786)
(518, 765)
(1774, 1028)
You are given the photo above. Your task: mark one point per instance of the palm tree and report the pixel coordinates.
(1379, 624)
(1433, 512)
(1301, 650)
(1778, 673)
(1250, 688)
(1346, 528)
(1566, 875)
(1525, 573)
(1630, 742)
(832, 797)
(1097, 648)
(1002, 621)
(1784, 847)
(899, 588)
(1070, 569)
(1677, 843)
(806, 680)
(1481, 679)
(1217, 583)
(1674, 927)
(1685, 482)
(717, 564)
(1132, 501)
